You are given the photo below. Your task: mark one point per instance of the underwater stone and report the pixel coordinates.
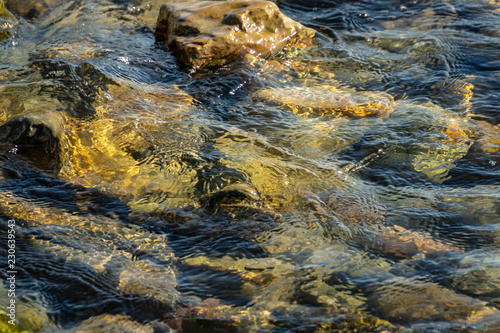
(116, 323)
(231, 195)
(490, 137)
(7, 21)
(407, 301)
(478, 274)
(402, 243)
(30, 8)
(327, 100)
(210, 33)
(38, 137)
(435, 16)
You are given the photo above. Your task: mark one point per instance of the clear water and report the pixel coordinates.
(228, 200)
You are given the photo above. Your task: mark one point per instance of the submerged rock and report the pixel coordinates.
(478, 274)
(30, 315)
(326, 100)
(30, 8)
(115, 255)
(117, 323)
(39, 138)
(409, 300)
(127, 157)
(433, 17)
(490, 140)
(7, 21)
(400, 242)
(210, 33)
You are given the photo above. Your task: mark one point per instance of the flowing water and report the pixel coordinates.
(231, 199)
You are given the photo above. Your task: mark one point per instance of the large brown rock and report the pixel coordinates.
(210, 33)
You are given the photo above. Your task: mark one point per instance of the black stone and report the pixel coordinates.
(39, 139)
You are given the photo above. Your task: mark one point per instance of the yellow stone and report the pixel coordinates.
(104, 150)
(329, 100)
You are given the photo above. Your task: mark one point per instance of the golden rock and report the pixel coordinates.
(327, 100)
(212, 32)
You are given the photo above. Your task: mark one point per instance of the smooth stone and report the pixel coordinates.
(327, 100)
(405, 301)
(478, 274)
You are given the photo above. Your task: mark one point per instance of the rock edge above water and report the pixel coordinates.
(38, 137)
(210, 33)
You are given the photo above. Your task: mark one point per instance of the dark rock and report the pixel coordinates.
(38, 138)
(209, 33)
(477, 274)
(30, 8)
(233, 195)
(7, 21)
(408, 300)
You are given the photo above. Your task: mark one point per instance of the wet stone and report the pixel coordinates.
(30, 8)
(231, 196)
(126, 156)
(432, 17)
(211, 33)
(117, 323)
(30, 315)
(277, 72)
(138, 262)
(434, 154)
(7, 21)
(148, 279)
(406, 300)
(38, 137)
(477, 274)
(329, 100)
(490, 139)
(402, 243)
